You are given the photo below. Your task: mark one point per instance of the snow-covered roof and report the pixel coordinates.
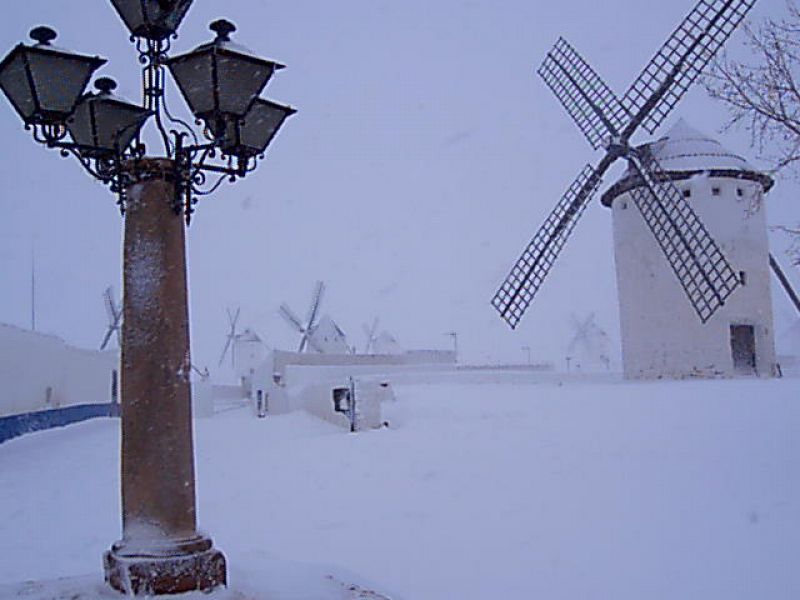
(685, 151)
(684, 148)
(248, 335)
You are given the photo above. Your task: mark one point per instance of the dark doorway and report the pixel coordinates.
(743, 349)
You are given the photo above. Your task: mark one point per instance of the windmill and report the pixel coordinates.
(608, 122)
(589, 345)
(306, 330)
(372, 336)
(114, 312)
(233, 319)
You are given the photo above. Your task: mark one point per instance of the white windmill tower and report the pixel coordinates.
(660, 337)
(380, 343)
(114, 313)
(683, 250)
(321, 335)
(246, 348)
(590, 347)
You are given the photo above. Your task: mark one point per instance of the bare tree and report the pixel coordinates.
(763, 95)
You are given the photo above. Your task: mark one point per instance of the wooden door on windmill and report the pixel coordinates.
(743, 349)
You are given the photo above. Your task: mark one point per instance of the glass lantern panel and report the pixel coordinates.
(117, 124)
(80, 124)
(193, 73)
(59, 79)
(131, 13)
(241, 80)
(261, 124)
(166, 15)
(15, 85)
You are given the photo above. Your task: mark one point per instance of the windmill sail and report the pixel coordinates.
(589, 101)
(233, 319)
(694, 256)
(114, 314)
(525, 279)
(313, 310)
(682, 58)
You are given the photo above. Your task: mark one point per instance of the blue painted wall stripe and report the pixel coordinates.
(16, 425)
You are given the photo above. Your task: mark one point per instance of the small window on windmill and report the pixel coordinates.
(742, 277)
(687, 193)
(739, 192)
(716, 191)
(623, 205)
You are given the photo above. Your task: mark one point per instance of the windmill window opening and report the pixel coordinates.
(687, 193)
(743, 277)
(739, 192)
(716, 191)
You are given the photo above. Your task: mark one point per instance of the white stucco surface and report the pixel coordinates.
(40, 372)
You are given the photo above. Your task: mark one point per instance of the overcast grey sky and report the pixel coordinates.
(425, 155)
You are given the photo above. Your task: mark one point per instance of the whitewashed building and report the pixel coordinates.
(42, 372)
(249, 351)
(662, 336)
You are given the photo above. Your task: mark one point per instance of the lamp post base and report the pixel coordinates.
(184, 566)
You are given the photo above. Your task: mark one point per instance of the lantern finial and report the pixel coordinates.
(43, 34)
(105, 85)
(223, 28)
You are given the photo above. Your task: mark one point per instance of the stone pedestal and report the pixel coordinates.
(161, 551)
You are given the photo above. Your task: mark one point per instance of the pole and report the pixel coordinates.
(454, 335)
(33, 286)
(161, 551)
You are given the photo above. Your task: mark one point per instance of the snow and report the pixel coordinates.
(684, 148)
(509, 488)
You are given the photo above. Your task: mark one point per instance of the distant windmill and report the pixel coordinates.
(306, 329)
(233, 318)
(372, 336)
(590, 344)
(608, 122)
(114, 312)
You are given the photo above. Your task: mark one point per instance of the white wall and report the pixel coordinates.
(317, 399)
(40, 372)
(662, 336)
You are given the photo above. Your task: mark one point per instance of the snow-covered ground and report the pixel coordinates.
(586, 489)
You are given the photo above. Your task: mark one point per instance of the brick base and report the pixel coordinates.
(142, 575)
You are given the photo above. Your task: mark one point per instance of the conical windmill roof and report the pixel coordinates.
(683, 152)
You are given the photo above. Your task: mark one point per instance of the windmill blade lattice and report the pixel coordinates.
(290, 317)
(114, 313)
(313, 311)
(694, 256)
(685, 55)
(306, 330)
(588, 100)
(524, 280)
(294, 321)
(233, 319)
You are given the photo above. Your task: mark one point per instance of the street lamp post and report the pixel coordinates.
(454, 336)
(161, 550)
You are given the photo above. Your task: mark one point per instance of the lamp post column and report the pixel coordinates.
(161, 551)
